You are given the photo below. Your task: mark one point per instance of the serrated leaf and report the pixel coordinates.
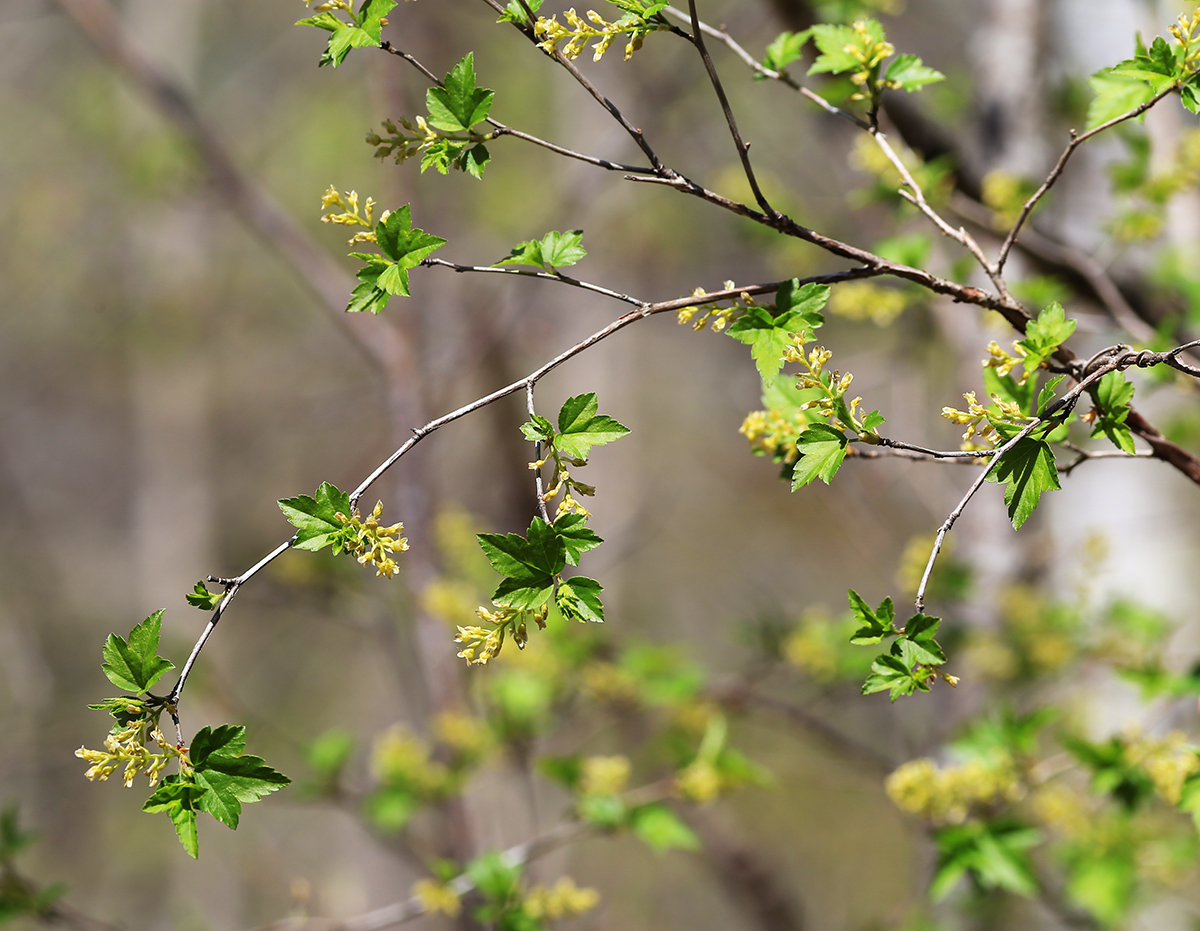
(474, 160)
(459, 105)
(371, 15)
(914, 652)
(200, 597)
(785, 49)
(832, 41)
(796, 303)
(1113, 394)
(134, 664)
(911, 73)
(404, 244)
(1045, 334)
(315, 519)
(822, 449)
(179, 798)
(326, 21)
(1046, 395)
(756, 328)
(231, 776)
(576, 536)
(529, 564)
(578, 599)
(554, 250)
(537, 429)
(660, 828)
(876, 624)
(890, 673)
(341, 41)
(1028, 469)
(580, 427)
(1115, 94)
(873, 421)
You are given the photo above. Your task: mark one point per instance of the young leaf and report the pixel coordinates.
(895, 675)
(918, 643)
(230, 776)
(552, 251)
(179, 798)
(404, 245)
(822, 449)
(459, 105)
(578, 599)
(1046, 395)
(1113, 394)
(767, 340)
(800, 306)
(528, 564)
(371, 17)
(833, 42)
(200, 597)
(876, 624)
(786, 49)
(576, 536)
(315, 519)
(1115, 94)
(1044, 335)
(580, 427)
(660, 828)
(911, 73)
(1028, 469)
(134, 664)
(515, 13)
(873, 421)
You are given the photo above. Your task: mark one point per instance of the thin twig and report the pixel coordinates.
(1077, 139)
(743, 148)
(781, 76)
(537, 457)
(549, 276)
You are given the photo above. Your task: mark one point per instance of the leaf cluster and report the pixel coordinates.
(911, 665)
(349, 29)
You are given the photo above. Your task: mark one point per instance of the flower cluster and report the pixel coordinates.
(562, 900)
(124, 744)
(370, 543)
(711, 314)
(980, 421)
(350, 215)
(579, 32)
(947, 795)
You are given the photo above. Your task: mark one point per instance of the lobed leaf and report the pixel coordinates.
(134, 664)
(315, 519)
(1028, 469)
(822, 449)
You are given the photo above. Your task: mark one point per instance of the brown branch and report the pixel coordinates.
(1076, 141)
(743, 148)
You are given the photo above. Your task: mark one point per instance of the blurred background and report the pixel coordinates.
(173, 360)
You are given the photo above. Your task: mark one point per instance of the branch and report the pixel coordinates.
(1076, 141)
(743, 149)
(555, 276)
(537, 458)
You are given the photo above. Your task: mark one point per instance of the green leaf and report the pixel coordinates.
(1044, 335)
(1046, 395)
(340, 43)
(580, 427)
(786, 49)
(918, 643)
(994, 854)
(1113, 394)
(603, 811)
(179, 798)
(576, 537)
(552, 251)
(200, 597)
(514, 13)
(1028, 469)
(578, 599)
(1115, 94)
(873, 421)
(404, 245)
(660, 828)
(911, 73)
(822, 449)
(876, 624)
(230, 776)
(371, 15)
(459, 105)
(757, 329)
(543, 553)
(797, 310)
(474, 160)
(893, 674)
(315, 519)
(832, 42)
(134, 664)
(538, 429)
(326, 21)
(1009, 389)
